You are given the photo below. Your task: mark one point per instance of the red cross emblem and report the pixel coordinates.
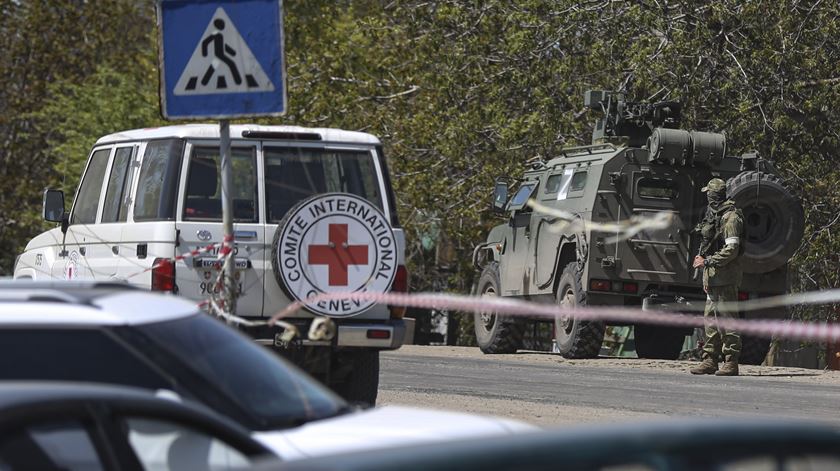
(338, 255)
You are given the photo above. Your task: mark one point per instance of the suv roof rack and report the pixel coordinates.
(293, 136)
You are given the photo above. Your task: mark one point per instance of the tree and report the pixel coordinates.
(45, 43)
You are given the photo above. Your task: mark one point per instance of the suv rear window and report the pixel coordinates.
(293, 174)
(203, 201)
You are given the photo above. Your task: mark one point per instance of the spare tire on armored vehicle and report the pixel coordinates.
(773, 220)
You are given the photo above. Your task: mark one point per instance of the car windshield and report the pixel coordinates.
(273, 392)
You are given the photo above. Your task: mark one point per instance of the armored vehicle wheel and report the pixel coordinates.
(753, 350)
(661, 343)
(773, 220)
(495, 333)
(575, 338)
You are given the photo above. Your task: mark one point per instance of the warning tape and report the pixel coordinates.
(822, 332)
(191, 253)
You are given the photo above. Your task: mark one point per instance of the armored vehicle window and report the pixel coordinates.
(566, 184)
(203, 199)
(158, 184)
(553, 183)
(115, 208)
(657, 188)
(294, 174)
(87, 201)
(522, 195)
(578, 181)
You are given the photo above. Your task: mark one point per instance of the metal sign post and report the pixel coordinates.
(222, 59)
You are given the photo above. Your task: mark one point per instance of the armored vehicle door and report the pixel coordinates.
(660, 254)
(515, 251)
(559, 225)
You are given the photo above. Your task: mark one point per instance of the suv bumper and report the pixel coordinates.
(387, 336)
(379, 335)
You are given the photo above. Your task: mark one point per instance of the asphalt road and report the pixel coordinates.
(534, 387)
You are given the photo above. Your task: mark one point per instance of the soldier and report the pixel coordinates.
(721, 230)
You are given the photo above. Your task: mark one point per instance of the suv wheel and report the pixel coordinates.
(355, 376)
(495, 333)
(661, 343)
(575, 338)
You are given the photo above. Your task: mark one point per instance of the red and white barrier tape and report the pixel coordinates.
(758, 327)
(190, 254)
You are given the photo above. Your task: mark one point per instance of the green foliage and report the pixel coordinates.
(79, 113)
(46, 44)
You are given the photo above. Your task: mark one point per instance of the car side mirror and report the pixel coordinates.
(54, 208)
(53, 205)
(500, 197)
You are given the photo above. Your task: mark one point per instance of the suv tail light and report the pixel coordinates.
(163, 275)
(400, 285)
(743, 296)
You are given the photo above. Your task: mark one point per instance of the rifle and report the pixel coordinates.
(705, 243)
(702, 252)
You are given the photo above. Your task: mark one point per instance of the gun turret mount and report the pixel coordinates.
(633, 121)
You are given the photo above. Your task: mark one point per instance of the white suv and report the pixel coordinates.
(150, 196)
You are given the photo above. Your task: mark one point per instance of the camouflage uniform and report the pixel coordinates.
(722, 229)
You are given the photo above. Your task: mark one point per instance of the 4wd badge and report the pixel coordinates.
(335, 242)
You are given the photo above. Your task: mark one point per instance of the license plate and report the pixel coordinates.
(214, 263)
(209, 281)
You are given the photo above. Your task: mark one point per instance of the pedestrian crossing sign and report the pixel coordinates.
(221, 59)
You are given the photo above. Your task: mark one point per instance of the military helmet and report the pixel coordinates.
(715, 185)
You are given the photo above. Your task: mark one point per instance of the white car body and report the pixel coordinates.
(383, 427)
(362, 429)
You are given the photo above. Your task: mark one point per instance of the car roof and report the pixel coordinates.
(86, 303)
(211, 131)
(588, 446)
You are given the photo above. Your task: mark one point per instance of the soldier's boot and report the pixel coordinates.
(729, 368)
(708, 366)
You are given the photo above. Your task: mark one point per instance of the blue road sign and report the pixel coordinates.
(221, 59)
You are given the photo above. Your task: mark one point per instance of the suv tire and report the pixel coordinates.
(753, 350)
(774, 221)
(575, 338)
(355, 376)
(495, 333)
(657, 342)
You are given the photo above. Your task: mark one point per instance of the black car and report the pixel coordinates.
(73, 426)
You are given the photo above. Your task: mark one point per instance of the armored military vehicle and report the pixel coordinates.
(565, 240)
